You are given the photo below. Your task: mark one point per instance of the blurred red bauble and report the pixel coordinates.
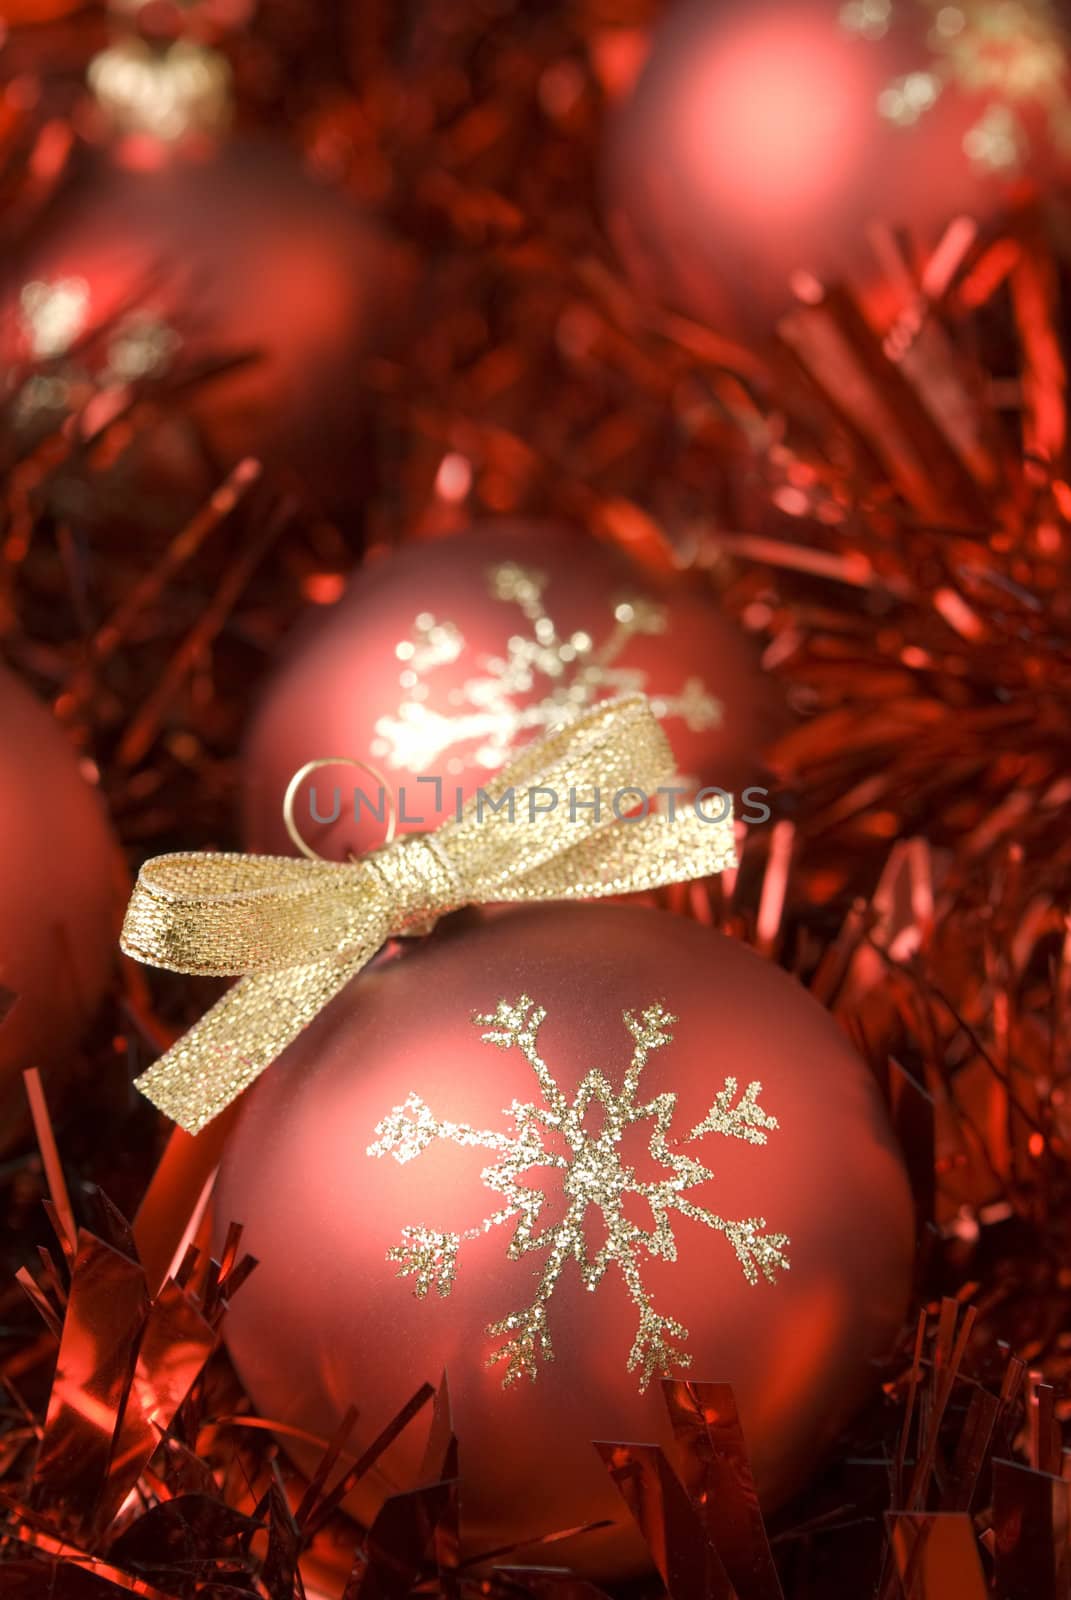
(196, 261)
(617, 1190)
(60, 898)
(17, 12)
(763, 138)
(444, 656)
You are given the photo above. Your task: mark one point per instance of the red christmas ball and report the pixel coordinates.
(764, 138)
(17, 12)
(194, 263)
(667, 1125)
(61, 894)
(443, 657)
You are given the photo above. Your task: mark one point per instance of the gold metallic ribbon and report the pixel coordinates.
(298, 931)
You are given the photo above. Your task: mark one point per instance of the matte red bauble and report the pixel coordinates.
(241, 254)
(17, 12)
(60, 897)
(443, 657)
(764, 138)
(559, 1154)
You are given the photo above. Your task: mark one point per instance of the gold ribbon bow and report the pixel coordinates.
(297, 931)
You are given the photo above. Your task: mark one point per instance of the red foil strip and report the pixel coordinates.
(1031, 1520)
(106, 1312)
(936, 1556)
(402, 1544)
(712, 1460)
(844, 358)
(687, 1562)
(175, 1344)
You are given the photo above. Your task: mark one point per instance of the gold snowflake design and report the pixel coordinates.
(567, 674)
(593, 1175)
(55, 318)
(1013, 50)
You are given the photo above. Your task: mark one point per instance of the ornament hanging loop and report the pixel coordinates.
(294, 786)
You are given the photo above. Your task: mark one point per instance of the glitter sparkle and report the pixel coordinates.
(1012, 50)
(492, 710)
(593, 1175)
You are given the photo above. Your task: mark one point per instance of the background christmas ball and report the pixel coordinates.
(61, 897)
(17, 12)
(442, 657)
(765, 138)
(239, 254)
(387, 1116)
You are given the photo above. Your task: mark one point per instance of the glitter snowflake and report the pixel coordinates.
(593, 1175)
(56, 327)
(1011, 50)
(491, 710)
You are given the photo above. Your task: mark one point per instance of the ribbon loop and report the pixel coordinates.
(296, 931)
(223, 916)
